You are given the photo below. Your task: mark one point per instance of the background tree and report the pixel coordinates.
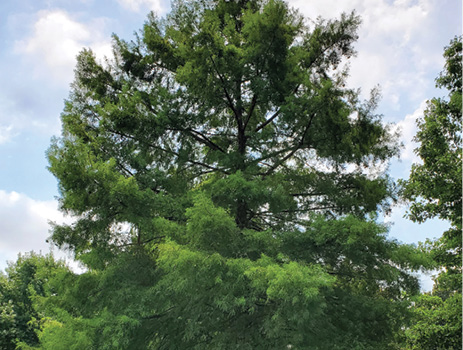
(222, 175)
(435, 190)
(24, 280)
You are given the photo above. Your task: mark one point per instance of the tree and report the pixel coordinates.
(222, 149)
(24, 280)
(435, 190)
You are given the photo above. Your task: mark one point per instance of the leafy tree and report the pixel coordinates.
(222, 176)
(435, 189)
(436, 323)
(24, 280)
(8, 331)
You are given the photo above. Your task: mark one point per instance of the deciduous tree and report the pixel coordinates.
(435, 191)
(222, 175)
(23, 281)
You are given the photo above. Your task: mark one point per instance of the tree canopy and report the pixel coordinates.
(435, 187)
(224, 182)
(23, 281)
(435, 191)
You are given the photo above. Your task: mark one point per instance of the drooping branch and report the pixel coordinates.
(139, 242)
(162, 314)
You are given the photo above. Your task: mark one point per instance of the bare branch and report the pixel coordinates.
(268, 121)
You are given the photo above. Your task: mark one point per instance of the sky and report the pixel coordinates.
(399, 49)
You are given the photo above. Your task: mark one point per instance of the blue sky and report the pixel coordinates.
(400, 49)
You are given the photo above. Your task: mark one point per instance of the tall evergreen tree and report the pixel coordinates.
(222, 175)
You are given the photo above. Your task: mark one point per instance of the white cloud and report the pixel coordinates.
(10, 119)
(138, 5)
(400, 43)
(24, 225)
(55, 41)
(390, 49)
(6, 133)
(19, 112)
(408, 130)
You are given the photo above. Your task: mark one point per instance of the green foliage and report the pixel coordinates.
(435, 190)
(221, 175)
(25, 280)
(435, 187)
(210, 229)
(8, 330)
(104, 332)
(437, 323)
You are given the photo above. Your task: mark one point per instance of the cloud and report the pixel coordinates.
(400, 42)
(11, 120)
(24, 225)
(54, 42)
(6, 133)
(19, 111)
(408, 129)
(43, 60)
(138, 5)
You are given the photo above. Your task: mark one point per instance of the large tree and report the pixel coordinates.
(435, 191)
(222, 176)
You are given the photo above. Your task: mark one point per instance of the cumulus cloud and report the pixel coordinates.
(24, 225)
(55, 40)
(399, 42)
(44, 57)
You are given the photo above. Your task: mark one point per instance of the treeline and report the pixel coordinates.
(225, 185)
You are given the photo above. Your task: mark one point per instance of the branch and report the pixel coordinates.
(309, 194)
(251, 110)
(227, 95)
(205, 140)
(295, 148)
(121, 166)
(200, 137)
(272, 118)
(170, 152)
(268, 121)
(157, 315)
(270, 213)
(140, 243)
(270, 155)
